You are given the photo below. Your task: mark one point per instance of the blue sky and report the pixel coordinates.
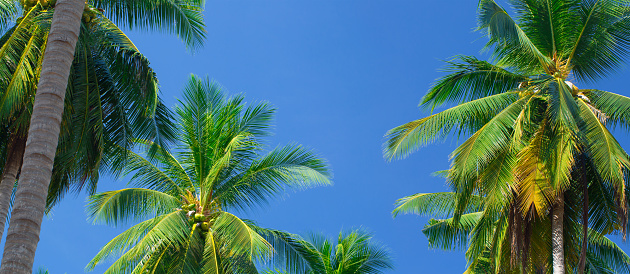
(341, 73)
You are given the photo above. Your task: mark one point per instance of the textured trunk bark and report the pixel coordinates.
(41, 144)
(9, 175)
(582, 264)
(557, 241)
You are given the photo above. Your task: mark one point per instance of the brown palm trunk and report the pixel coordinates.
(15, 152)
(557, 241)
(43, 135)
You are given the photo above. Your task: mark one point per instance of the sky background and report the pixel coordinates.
(341, 73)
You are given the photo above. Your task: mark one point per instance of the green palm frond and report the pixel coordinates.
(181, 17)
(513, 46)
(469, 79)
(614, 107)
(239, 237)
(291, 166)
(116, 207)
(8, 13)
(604, 150)
(292, 252)
(603, 248)
(603, 39)
(444, 234)
(147, 174)
(438, 204)
(466, 118)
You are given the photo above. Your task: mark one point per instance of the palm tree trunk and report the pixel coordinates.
(41, 144)
(557, 241)
(582, 264)
(9, 175)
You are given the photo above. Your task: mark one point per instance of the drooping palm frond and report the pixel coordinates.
(437, 205)
(466, 118)
(444, 234)
(8, 13)
(469, 79)
(181, 17)
(118, 206)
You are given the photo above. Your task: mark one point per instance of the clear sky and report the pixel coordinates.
(341, 73)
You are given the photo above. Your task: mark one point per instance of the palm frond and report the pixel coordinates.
(181, 17)
(444, 234)
(117, 206)
(467, 118)
(439, 205)
(469, 79)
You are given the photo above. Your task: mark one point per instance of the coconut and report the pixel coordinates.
(85, 18)
(44, 3)
(199, 217)
(205, 226)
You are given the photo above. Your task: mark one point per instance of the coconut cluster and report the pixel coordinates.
(89, 13)
(28, 4)
(194, 216)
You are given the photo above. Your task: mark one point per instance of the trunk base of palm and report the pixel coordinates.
(41, 144)
(9, 175)
(557, 234)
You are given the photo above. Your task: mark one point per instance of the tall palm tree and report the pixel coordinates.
(354, 253)
(532, 128)
(186, 195)
(180, 17)
(95, 116)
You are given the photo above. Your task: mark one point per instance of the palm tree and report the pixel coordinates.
(354, 253)
(533, 130)
(94, 115)
(185, 195)
(180, 17)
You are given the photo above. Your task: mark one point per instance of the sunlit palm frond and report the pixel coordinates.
(437, 205)
(181, 17)
(466, 118)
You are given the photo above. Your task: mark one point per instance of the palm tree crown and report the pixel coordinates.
(535, 135)
(354, 253)
(185, 193)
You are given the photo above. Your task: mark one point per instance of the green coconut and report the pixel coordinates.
(205, 226)
(199, 217)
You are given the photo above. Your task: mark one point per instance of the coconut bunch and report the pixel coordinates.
(46, 4)
(199, 215)
(89, 12)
